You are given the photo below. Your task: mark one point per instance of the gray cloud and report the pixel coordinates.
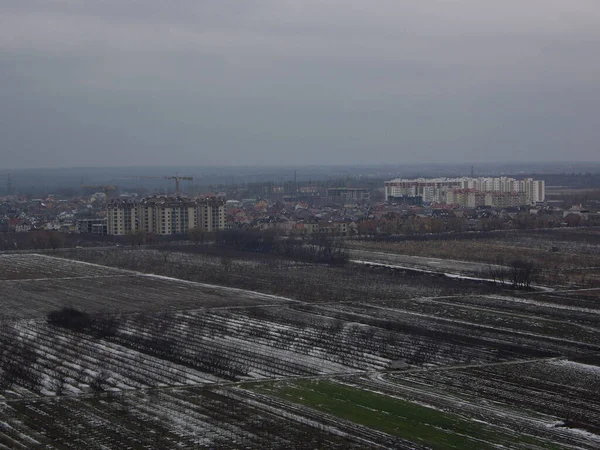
(119, 82)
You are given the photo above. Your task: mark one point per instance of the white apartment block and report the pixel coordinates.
(440, 190)
(165, 215)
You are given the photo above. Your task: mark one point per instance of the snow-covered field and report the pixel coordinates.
(174, 418)
(33, 285)
(164, 363)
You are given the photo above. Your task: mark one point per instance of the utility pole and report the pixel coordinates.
(295, 184)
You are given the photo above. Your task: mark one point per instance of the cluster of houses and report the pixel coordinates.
(21, 214)
(296, 217)
(388, 218)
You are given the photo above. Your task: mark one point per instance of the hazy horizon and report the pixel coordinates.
(276, 83)
(554, 165)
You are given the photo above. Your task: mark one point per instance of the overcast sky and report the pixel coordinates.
(155, 82)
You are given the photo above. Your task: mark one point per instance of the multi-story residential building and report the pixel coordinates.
(421, 187)
(311, 227)
(505, 199)
(332, 228)
(349, 194)
(446, 190)
(94, 226)
(121, 217)
(210, 214)
(538, 190)
(165, 215)
(465, 198)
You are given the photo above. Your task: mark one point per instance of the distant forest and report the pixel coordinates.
(571, 180)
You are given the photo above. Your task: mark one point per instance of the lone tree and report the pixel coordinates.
(136, 238)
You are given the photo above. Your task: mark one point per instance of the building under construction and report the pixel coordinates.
(349, 194)
(165, 215)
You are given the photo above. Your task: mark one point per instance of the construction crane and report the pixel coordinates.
(177, 179)
(107, 189)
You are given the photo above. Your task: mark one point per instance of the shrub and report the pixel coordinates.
(70, 318)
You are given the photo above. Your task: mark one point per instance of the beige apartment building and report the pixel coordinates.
(165, 215)
(505, 199)
(465, 198)
(210, 214)
(121, 217)
(471, 198)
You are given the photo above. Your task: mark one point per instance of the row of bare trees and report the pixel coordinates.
(33, 240)
(18, 361)
(517, 273)
(150, 334)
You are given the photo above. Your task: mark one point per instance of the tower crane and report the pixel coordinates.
(177, 179)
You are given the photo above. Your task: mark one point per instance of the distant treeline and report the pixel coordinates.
(319, 249)
(570, 180)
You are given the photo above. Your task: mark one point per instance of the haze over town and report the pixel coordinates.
(117, 83)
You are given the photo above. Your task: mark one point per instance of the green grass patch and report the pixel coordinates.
(416, 423)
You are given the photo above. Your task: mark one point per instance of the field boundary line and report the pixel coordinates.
(83, 277)
(445, 274)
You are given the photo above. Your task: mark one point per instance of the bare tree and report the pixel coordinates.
(164, 252)
(522, 273)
